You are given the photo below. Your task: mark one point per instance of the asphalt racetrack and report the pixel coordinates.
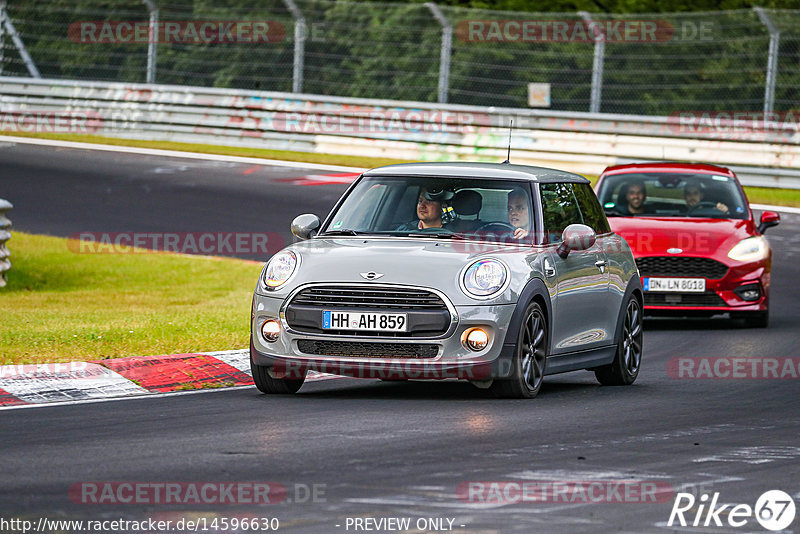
(346, 449)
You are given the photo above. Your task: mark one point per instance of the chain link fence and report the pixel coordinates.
(651, 64)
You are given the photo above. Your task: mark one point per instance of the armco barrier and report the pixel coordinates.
(5, 235)
(767, 154)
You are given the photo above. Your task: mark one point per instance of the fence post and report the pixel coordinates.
(597, 64)
(2, 34)
(772, 61)
(447, 46)
(152, 40)
(23, 52)
(5, 235)
(299, 45)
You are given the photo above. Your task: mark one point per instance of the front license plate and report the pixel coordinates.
(379, 322)
(674, 285)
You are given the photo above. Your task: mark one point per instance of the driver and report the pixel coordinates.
(431, 205)
(518, 215)
(693, 195)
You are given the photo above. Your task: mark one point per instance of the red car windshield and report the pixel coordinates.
(665, 194)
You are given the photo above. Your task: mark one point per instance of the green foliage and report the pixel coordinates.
(714, 60)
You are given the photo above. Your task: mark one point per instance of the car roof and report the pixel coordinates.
(669, 166)
(484, 171)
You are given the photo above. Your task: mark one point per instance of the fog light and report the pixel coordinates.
(476, 339)
(271, 329)
(749, 292)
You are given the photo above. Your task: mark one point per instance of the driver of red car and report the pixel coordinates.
(693, 194)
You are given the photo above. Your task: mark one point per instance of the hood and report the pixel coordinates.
(421, 262)
(695, 237)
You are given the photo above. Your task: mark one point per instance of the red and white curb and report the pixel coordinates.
(124, 377)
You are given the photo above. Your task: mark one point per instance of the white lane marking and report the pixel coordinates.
(177, 154)
(566, 474)
(785, 209)
(171, 169)
(753, 455)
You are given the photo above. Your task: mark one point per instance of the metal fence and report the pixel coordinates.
(580, 142)
(651, 64)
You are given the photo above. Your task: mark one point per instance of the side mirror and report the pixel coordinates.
(304, 226)
(576, 237)
(768, 220)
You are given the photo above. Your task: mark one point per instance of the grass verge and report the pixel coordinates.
(63, 306)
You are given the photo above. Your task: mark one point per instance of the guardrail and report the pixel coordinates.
(763, 153)
(5, 235)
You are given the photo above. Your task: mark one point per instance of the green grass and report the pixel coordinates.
(768, 195)
(63, 306)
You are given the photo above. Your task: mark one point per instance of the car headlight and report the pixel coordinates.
(750, 249)
(484, 278)
(280, 269)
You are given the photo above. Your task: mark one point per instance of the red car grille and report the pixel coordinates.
(680, 266)
(683, 299)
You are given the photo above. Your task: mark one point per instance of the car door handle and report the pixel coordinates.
(549, 270)
(600, 264)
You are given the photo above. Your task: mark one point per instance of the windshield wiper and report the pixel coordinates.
(435, 234)
(340, 232)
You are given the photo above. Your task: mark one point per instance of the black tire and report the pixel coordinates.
(273, 386)
(530, 358)
(628, 360)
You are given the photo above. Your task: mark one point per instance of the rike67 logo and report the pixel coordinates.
(774, 510)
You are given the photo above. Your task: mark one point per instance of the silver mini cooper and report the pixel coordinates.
(497, 274)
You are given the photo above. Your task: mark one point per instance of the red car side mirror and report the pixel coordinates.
(768, 220)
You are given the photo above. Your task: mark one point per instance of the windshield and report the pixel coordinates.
(663, 194)
(435, 207)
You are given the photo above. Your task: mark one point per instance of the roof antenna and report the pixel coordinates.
(510, 127)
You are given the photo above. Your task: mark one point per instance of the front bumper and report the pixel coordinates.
(720, 295)
(452, 359)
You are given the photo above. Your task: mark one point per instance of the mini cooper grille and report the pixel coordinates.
(369, 297)
(680, 266)
(683, 299)
(367, 350)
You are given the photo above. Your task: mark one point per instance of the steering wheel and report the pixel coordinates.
(703, 204)
(499, 227)
(434, 230)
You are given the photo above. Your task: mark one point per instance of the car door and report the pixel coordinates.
(580, 307)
